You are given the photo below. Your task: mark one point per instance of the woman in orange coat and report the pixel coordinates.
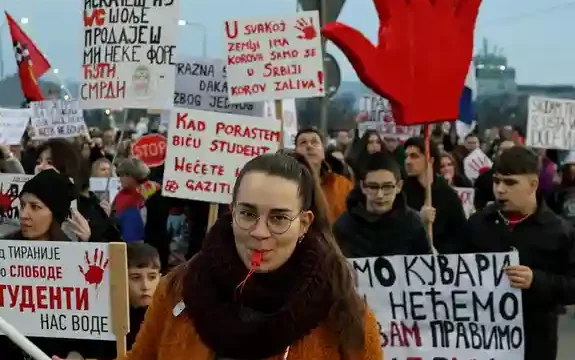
(269, 283)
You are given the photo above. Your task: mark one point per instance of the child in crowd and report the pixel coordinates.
(143, 278)
(128, 208)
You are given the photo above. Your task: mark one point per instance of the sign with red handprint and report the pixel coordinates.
(10, 187)
(274, 58)
(421, 58)
(476, 163)
(95, 267)
(56, 289)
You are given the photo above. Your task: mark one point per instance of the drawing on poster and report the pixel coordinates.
(129, 53)
(56, 289)
(444, 306)
(274, 58)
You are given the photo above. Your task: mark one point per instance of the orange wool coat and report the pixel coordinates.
(164, 336)
(335, 189)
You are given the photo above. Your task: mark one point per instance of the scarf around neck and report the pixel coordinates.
(273, 310)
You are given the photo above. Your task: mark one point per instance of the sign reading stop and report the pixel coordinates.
(151, 149)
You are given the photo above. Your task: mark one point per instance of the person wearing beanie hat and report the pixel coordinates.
(45, 204)
(128, 208)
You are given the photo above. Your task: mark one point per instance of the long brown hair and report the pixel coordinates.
(346, 316)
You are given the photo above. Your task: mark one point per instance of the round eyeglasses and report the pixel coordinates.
(277, 224)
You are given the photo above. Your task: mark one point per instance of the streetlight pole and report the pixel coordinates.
(204, 31)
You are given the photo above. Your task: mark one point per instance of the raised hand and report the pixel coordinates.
(421, 59)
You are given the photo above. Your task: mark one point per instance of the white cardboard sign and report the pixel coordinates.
(474, 162)
(129, 55)
(551, 123)
(206, 151)
(13, 123)
(274, 58)
(378, 116)
(201, 84)
(466, 195)
(56, 119)
(444, 306)
(56, 289)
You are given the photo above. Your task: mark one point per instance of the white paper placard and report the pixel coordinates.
(201, 84)
(105, 188)
(466, 195)
(56, 289)
(378, 116)
(206, 151)
(13, 123)
(56, 119)
(551, 123)
(274, 58)
(474, 162)
(444, 306)
(129, 55)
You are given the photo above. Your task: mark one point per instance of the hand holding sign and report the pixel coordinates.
(429, 46)
(520, 276)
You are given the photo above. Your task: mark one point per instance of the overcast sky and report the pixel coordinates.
(534, 34)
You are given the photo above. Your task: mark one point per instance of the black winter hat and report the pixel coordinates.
(55, 190)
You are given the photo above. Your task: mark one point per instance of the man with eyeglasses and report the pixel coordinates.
(377, 221)
(520, 220)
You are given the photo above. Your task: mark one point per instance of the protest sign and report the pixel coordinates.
(56, 119)
(56, 289)
(377, 115)
(13, 123)
(274, 58)
(105, 188)
(151, 149)
(201, 84)
(475, 163)
(10, 187)
(206, 151)
(129, 54)
(551, 123)
(444, 306)
(466, 195)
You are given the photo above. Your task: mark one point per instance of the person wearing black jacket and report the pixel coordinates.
(520, 220)
(377, 221)
(484, 183)
(102, 227)
(446, 210)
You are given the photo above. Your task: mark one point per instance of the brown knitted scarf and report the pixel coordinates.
(273, 310)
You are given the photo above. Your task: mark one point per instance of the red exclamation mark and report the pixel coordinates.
(320, 78)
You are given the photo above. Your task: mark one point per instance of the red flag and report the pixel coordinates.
(30, 61)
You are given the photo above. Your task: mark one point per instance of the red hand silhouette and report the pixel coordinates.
(422, 57)
(307, 29)
(5, 202)
(95, 272)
